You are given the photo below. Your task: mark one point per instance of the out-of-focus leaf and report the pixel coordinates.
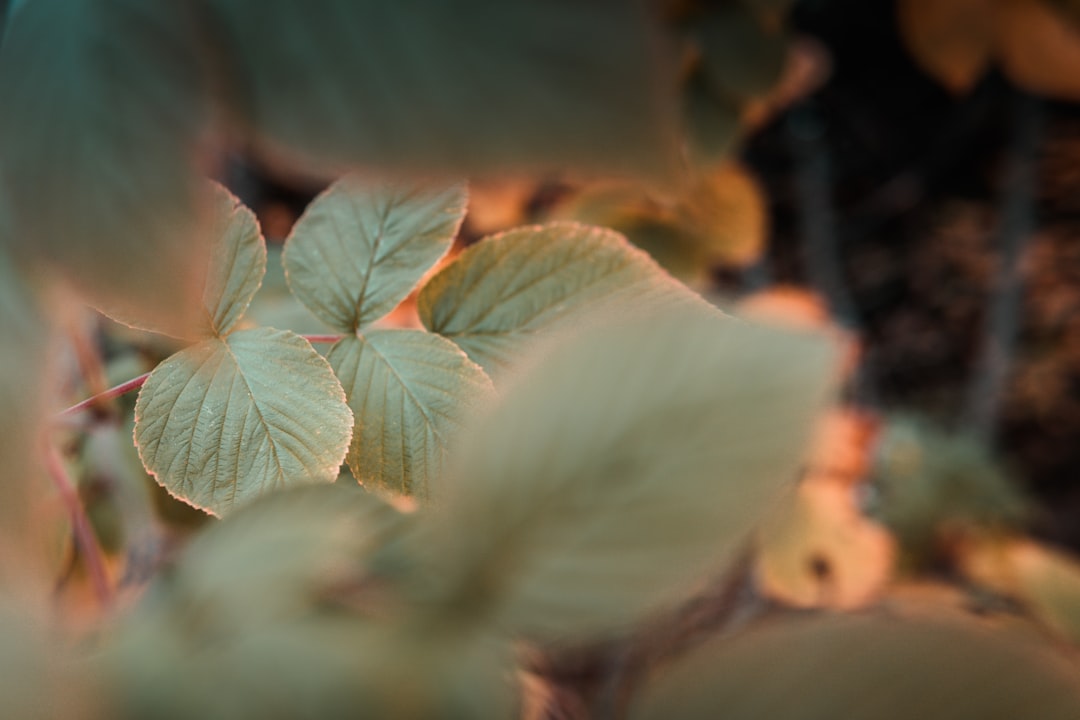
(463, 86)
(952, 40)
(329, 667)
(740, 55)
(237, 263)
(624, 467)
(103, 105)
(932, 484)
(275, 305)
(713, 120)
(360, 248)
(648, 223)
(25, 328)
(248, 625)
(1039, 49)
(1046, 580)
(819, 552)
(409, 392)
(870, 667)
(727, 211)
(37, 682)
(228, 419)
(506, 290)
(283, 556)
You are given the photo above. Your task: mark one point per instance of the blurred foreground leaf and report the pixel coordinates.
(103, 105)
(464, 86)
(870, 667)
(290, 609)
(627, 464)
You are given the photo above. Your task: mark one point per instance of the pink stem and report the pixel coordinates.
(89, 548)
(113, 392)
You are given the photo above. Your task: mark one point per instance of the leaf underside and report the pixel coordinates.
(237, 263)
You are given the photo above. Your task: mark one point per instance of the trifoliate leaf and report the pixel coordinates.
(409, 392)
(869, 667)
(360, 248)
(506, 290)
(103, 105)
(623, 468)
(462, 86)
(237, 263)
(229, 419)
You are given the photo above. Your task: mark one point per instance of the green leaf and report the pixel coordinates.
(505, 291)
(104, 102)
(360, 248)
(285, 554)
(289, 608)
(275, 305)
(740, 55)
(462, 86)
(624, 467)
(409, 392)
(229, 419)
(237, 263)
(870, 667)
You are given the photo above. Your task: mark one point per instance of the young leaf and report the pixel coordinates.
(360, 248)
(623, 468)
(860, 666)
(237, 263)
(231, 418)
(409, 392)
(507, 289)
(103, 105)
(462, 86)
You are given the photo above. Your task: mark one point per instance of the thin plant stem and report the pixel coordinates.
(113, 392)
(136, 383)
(89, 549)
(322, 339)
(1002, 324)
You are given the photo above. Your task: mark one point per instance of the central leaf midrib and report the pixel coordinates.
(258, 412)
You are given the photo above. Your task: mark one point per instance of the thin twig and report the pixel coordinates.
(136, 383)
(1002, 323)
(113, 392)
(325, 339)
(89, 550)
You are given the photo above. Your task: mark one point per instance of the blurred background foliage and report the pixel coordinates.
(900, 175)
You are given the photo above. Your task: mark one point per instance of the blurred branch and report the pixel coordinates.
(89, 550)
(1017, 225)
(136, 383)
(813, 184)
